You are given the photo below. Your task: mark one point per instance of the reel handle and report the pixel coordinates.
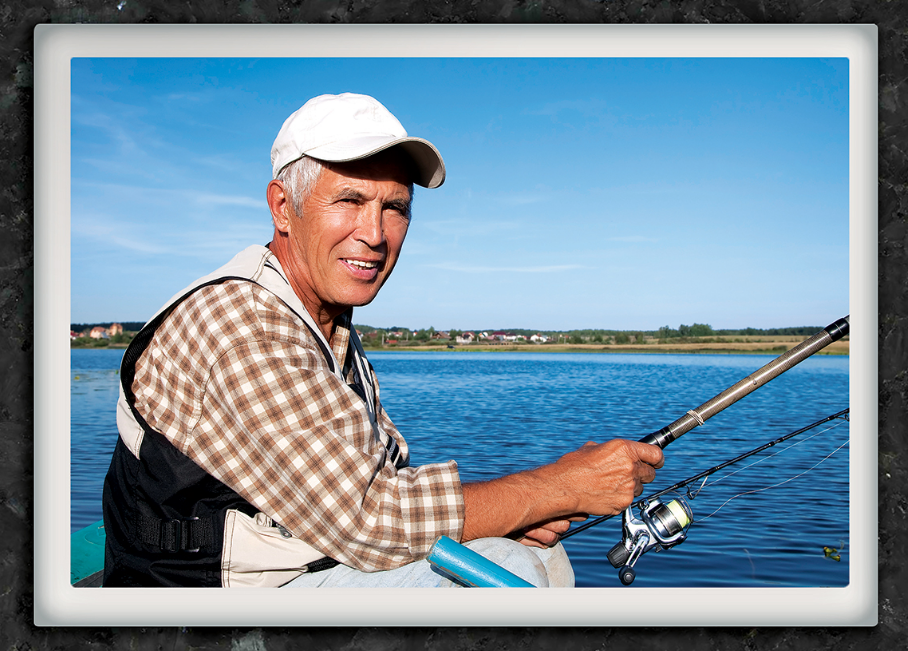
(627, 575)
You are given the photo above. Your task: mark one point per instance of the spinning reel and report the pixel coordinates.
(661, 525)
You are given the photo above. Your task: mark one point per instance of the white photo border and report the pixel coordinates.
(57, 603)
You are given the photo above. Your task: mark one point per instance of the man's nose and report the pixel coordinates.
(370, 228)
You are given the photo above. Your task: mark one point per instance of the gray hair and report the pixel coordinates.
(300, 176)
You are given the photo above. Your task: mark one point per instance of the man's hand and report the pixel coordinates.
(540, 504)
(548, 533)
(606, 477)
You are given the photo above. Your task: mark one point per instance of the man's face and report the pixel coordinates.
(346, 242)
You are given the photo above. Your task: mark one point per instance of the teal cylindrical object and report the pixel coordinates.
(471, 569)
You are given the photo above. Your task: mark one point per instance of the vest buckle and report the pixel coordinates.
(176, 535)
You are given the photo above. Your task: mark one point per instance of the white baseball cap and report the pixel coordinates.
(347, 127)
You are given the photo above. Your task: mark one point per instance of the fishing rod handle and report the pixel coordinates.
(833, 332)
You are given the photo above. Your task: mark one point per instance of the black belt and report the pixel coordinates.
(191, 534)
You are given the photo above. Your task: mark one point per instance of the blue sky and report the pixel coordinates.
(581, 193)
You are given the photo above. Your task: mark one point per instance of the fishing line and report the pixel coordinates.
(657, 523)
(766, 458)
(841, 415)
(765, 488)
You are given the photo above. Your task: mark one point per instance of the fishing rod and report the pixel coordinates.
(694, 417)
(664, 525)
(706, 473)
(661, 524)
(833, 332)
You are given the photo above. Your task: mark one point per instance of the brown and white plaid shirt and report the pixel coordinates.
(238, 383)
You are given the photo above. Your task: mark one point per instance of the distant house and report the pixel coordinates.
(115, 329)
(465, 338)
(539, 339)
(99, 333)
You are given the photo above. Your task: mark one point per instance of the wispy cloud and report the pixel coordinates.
(473, 226)
(174, 194)
(522, 199)
(584, 107)
(468, 269)
(231, 200)
(189, 97)
(227, 163)
(193, 240)
(632, 238)
(99, 230)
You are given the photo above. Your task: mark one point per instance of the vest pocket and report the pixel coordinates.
(257, 555)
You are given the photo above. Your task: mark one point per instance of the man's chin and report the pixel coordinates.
(357, 301)
(364, 298)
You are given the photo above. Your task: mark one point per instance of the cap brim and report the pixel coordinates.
(430, 167)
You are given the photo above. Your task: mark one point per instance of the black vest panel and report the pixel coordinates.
(164, 518)
(163, 514)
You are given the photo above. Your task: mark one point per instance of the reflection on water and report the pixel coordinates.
(497, 413)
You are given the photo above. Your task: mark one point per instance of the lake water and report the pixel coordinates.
(497, 413)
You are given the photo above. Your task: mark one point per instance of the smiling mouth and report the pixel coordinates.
(361, 264)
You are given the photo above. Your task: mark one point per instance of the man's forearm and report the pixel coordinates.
(512, 503)
(597, 479)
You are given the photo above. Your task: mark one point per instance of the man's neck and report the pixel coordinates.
(323, 315)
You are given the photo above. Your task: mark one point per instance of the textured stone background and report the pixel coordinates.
(17, 21)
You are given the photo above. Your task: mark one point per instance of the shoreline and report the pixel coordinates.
(837, 348)
(770, 347)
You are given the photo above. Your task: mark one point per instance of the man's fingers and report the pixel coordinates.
(646, 472)
(539, 538)
(530, 542)
(545, 534)
(558, 526)
(649, 454)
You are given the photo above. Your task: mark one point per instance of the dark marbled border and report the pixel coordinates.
(17, 21)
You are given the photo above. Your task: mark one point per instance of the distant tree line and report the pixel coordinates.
(596, 336)
(130, 328)
(802, 331)
(373, 336)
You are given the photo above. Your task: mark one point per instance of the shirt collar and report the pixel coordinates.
(340, 341)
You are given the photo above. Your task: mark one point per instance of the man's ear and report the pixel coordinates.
(279, 204)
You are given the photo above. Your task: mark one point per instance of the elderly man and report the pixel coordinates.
(254, 449)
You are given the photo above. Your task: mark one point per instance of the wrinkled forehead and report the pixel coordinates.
(389, 165)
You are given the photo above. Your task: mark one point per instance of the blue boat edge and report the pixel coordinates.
(86, 556)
